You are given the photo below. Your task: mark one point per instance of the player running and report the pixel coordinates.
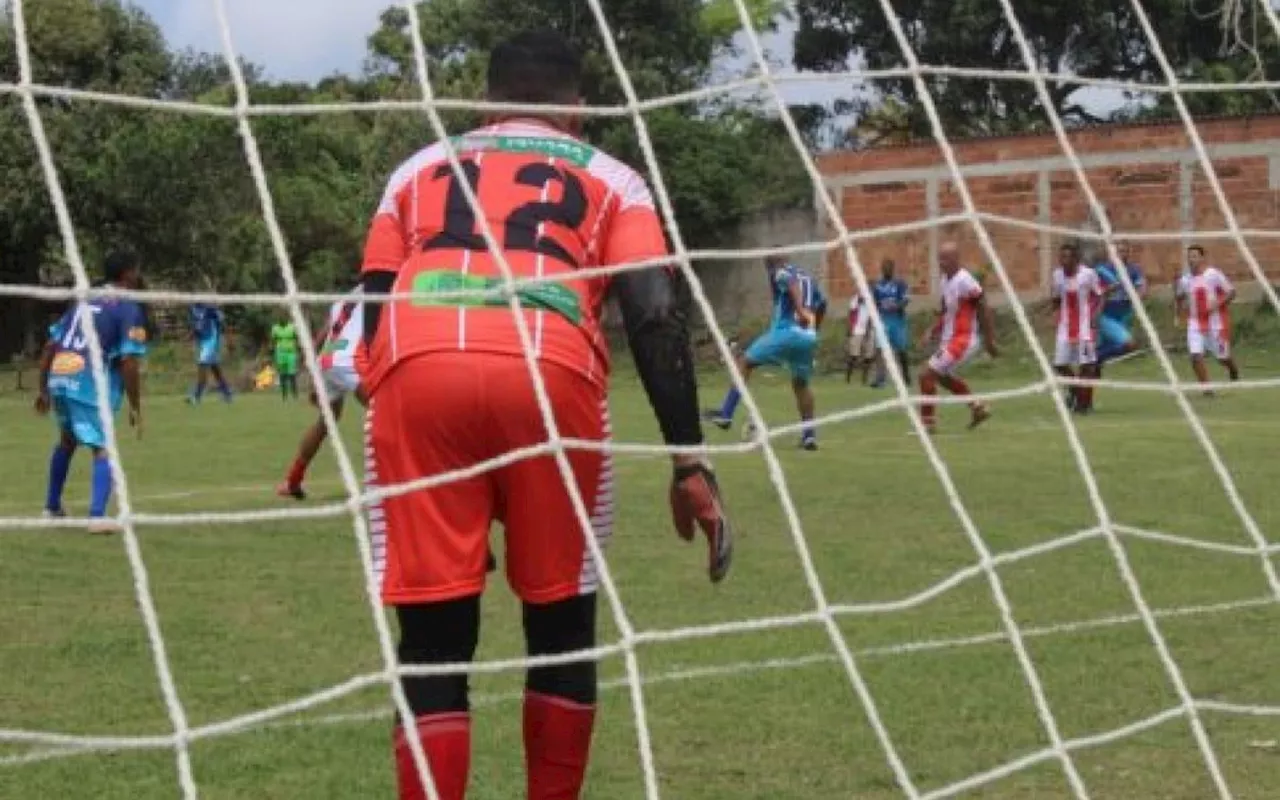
(963, 327)
(1204, 296)
(1076, 294)
(68, 386)
(791, 341)
(892, 296)
(207, 324)
(284, 352)
(449, 388)
(1115, 327)
(336, 346)
(860, 347)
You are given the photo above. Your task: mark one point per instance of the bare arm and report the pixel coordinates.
(797, 302)
(46, 364)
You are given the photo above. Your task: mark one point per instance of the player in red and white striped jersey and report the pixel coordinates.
(1204, 295)
(1076, 292)
(336, 346)
(963, 328)
(860, 345)
(449, 389)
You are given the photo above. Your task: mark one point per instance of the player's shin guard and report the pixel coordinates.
(446, 742)
(437, 633)
(559, 700)
(59, 466)
(100, 487)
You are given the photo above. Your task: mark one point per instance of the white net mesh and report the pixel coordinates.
(1063, 750)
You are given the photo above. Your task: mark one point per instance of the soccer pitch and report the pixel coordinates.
(255, 615)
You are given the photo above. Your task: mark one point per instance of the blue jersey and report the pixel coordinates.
(891, 297)
(206, 322)
(784, 314)
(1118, 305)
(122, 332)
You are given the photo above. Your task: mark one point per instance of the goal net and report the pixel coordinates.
(893, 739)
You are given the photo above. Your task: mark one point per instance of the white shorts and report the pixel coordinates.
(951, 356)
(1075, 354)
(860, 345)
(1211, 342)
(340, 381)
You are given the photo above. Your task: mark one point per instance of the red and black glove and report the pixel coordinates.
(696, 503)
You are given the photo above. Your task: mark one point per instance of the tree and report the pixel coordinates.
(1087, 38)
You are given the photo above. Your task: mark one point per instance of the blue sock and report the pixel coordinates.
(100, 491)
(224, 388)
(730, 404)
(59, 466)
(807, 431)
(198, 390)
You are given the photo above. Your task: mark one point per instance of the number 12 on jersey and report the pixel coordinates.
(524, 228)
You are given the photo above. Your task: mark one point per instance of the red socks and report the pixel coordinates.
(928, 386)
(955, 385)
(296, 473)
(446, 740)
(557, 741)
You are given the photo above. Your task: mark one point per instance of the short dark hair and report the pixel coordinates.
(538, 66)
(117, 264)
(1197, 248)
(1070, 246)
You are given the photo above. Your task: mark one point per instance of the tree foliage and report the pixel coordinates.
(1100, 39)
(176, 188)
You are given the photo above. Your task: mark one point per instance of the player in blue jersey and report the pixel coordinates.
(68, 386)
(207, 325)
(891, 295)
(791, 341)
(1115, 327)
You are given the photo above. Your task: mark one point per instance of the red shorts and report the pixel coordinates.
(448, 411)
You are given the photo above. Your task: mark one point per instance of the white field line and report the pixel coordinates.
(676, 675)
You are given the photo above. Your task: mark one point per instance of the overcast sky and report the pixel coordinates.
(308, 39)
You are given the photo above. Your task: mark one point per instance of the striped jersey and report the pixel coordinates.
(1204, 292)
(554, 205)
(811, 296)
(1079, 295)
(961, 294)
(342, 333)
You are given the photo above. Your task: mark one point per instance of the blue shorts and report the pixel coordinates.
(208, 352)
(792, 348)
(895, 328)
(1114, 337)
(81, 420)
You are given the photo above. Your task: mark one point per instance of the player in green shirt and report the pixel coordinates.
(284, 350)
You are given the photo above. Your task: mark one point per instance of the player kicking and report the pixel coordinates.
(68, 386)
(1204, 297)
(449, 387)
(963, 328)
(207, 324)
(336, 347)
(1076, 294)
(1115, 326)
(860, 348)
(791, 341)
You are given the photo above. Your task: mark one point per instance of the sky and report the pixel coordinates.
(308, 39)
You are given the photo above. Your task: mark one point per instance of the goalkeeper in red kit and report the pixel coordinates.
(449, 387)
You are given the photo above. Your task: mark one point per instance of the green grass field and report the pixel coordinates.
(255, 615)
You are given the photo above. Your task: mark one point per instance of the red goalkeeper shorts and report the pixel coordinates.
(442, 412)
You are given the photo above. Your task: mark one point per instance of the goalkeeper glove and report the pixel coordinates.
(696, 503)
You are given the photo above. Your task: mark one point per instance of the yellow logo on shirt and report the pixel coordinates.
(137, 334)
(67, 364)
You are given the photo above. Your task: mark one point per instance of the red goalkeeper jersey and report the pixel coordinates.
(554, 204)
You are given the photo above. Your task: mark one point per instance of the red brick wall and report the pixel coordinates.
(1141, 184)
